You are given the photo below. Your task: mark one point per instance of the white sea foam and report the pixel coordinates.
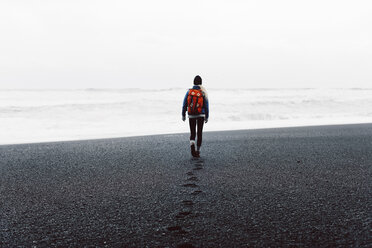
(53, 115)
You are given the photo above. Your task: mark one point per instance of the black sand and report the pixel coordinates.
(308, 186)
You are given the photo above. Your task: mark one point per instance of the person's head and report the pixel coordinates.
(197, 80)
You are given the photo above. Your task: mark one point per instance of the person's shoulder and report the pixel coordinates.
(188, 91)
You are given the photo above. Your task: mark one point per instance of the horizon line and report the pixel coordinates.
(174, 88)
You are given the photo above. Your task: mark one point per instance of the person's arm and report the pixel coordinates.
(184, 106)
(206, 107)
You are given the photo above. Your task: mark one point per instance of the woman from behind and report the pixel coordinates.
(196, 104)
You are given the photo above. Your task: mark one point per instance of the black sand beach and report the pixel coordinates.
(305, 186)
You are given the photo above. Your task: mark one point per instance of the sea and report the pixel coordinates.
(29, 116)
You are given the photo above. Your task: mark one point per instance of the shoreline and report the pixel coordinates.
(181, 133)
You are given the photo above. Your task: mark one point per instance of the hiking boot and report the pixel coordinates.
(197, 154)
(193, 153)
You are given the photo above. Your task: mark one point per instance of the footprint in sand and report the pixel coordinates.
(176, 230)
(183, 214)
(196, 192)
(192, 179)
(190, 185)
(187, 203)
(185, 245)
(199, 162)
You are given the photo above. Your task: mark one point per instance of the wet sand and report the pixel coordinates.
(306, 186)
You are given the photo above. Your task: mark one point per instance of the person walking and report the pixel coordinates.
(197, 106)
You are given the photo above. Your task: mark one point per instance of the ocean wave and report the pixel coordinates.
(85, 113)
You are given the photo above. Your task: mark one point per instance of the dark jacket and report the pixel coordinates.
(205, 109)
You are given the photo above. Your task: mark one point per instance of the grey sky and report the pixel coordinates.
(165, 43)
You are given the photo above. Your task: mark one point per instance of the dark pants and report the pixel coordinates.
(193, 123)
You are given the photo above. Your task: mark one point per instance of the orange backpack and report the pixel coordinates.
(195, 102)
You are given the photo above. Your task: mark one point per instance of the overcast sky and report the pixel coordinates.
(165, 43)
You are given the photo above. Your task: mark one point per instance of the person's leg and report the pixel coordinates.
(200, 132)
(192, 122)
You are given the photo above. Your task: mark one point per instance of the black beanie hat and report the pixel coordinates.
(197, 80)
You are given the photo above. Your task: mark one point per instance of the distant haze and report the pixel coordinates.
(165, 43)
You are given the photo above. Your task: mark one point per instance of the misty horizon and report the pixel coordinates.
(164, 44)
